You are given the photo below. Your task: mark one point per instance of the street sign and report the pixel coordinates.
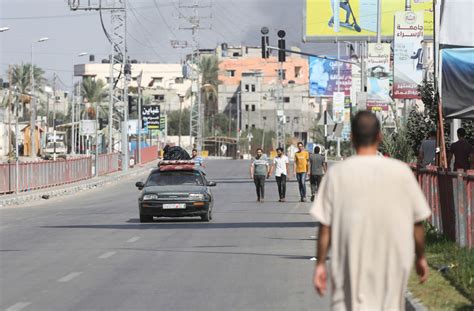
(151, 116)
(87, 127)
(223, 149)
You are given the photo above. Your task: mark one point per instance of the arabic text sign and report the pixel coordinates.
(324, 79)
(378, 76)
(320, 24)
(408, 54)
(151, 116)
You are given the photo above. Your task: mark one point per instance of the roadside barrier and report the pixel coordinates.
(44, 174)
(450, 196)
(148, 154)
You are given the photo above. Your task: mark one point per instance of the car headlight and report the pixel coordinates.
(196, 196)
(148, 197)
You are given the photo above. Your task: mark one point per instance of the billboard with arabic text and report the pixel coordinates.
(151, 116)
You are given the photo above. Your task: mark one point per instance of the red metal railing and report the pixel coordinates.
(108, 163)
(43, 174)
(450, 196)
(148, 154)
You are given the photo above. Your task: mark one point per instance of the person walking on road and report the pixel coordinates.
(317, 168)
(281, 167)
(196, 158)
(301, 169)
(427, 153)
(258, 172)
(370, 210)
(461, 150)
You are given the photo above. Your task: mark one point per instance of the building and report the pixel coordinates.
(164, 84)
(251, 85)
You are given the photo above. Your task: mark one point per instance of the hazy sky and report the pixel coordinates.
(151, 26)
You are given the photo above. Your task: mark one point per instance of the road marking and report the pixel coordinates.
(134, 239)
(18, 306)
(69, 277)
(106, 255)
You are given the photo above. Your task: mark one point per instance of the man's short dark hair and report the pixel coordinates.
(432, 133)
(194, 150)
(365, 129)
(461, 132)
(259, 149)
(300, 143)
(280, 149)
(317, 149)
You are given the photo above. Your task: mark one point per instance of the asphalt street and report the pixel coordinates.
(89, 251)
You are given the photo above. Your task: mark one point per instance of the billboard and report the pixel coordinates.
(151, 116)
(378, 76)
(407, 54)
(324, 78)
(357, 18)
(457, 82)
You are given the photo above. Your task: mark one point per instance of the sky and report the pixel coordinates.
(151, 25)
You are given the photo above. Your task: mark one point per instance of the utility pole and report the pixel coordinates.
(196, 112)
(54, 115)
(139, 83)
(118, 73)
(10, 111)
(281, 118)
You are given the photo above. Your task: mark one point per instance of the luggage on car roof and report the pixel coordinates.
(175, 153)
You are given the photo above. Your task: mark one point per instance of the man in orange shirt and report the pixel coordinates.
(301, 169)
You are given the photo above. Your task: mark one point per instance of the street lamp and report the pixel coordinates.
(33, 100)
(3, 29)
(73, 108)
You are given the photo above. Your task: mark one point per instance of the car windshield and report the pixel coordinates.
(173, 178)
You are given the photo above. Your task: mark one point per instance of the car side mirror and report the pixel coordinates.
(211, 184)
(140, 185)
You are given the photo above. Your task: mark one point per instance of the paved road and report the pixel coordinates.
(89, 252)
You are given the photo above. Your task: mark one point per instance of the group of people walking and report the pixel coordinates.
(305, 164)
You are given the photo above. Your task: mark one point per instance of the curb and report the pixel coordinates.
(413, 304)
(48, 193)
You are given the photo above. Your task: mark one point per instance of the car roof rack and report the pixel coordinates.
(176, 162)
(176, 165)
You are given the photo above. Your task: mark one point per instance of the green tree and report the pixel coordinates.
(257, 141)
(93, 92)
(21, 81)
(209, 68)
(173, 122)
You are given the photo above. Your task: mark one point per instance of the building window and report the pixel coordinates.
(253, 87)
(158, 79)
(287, 119)
(247, 88)
(297, 71)
(246, 126)
(246, 107)
(159, 97)
(253, 107)
(134, 78)
(286, 99)
(281, 74)
(179, 80)
(253, 126)
(231, 73)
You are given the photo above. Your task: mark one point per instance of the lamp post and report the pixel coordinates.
(33, 100)
(73, 108)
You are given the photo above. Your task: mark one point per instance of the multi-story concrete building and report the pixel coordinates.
(164, 83)
(251, 85)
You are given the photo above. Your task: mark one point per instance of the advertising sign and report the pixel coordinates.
(324, 78)
(338, 99)
(133, 128)
(87, 127)
(357, 18)
(378, 76)
(408, 54)
(151, 116)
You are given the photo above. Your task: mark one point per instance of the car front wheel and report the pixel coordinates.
(207, 216)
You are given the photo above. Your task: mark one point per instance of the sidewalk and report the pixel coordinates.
(47, 193)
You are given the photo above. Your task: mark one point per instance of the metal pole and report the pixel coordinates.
(179, 120)
(111, 99)
(379, 21)
(139, 151)
(125, 138)
(32, 108)
(10, 112)
(338, 90)
(73, 117)
(54, 115)
(96, 169)
(17, 152)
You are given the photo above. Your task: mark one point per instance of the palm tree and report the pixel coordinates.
(209, 68)
(94, 93)
(21, 80)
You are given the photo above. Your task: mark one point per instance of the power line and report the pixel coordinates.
(164, 20)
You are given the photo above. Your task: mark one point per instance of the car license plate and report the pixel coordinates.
(174, 206)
